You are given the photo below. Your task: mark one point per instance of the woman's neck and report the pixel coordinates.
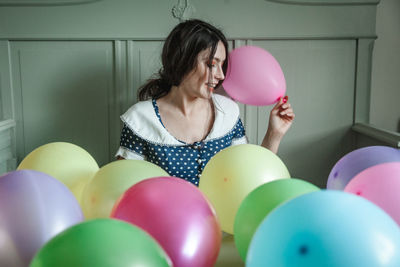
(187, 118)
(186, 104)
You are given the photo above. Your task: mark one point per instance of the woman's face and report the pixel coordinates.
(201, 82)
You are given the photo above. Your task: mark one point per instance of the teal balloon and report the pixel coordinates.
(259, 203)
(327, 228)
(102, 243)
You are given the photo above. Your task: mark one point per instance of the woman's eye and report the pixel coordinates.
(213, 64)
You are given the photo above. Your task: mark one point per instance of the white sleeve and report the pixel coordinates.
(128, 154)
(240, 141)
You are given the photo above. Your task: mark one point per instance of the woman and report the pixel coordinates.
(179, 124)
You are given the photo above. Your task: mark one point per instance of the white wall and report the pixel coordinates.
(385, 83)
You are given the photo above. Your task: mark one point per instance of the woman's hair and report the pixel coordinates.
(179, 56)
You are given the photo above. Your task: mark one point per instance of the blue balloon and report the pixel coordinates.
(327, 228)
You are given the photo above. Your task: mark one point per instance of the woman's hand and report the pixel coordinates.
(280, 119)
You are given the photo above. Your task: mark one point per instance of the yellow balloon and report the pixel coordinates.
(233, 173)
(68, 163)
(111, 181)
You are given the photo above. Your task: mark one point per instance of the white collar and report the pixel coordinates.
(143, 121)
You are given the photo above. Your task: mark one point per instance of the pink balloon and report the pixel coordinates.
(254, 77)
(177, 215)
(381, 185)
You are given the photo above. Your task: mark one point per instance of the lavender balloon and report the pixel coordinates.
(358, 160)
(34, 207)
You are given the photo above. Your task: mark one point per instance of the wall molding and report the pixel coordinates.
(183, 10)
(389, 137)
(45, 2)
(229, 38)
(6, 125)
(327, 3)
(362, 86)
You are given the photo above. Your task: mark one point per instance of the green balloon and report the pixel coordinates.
(101, 243)
(259, 203)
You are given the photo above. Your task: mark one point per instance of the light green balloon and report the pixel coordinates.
(111, 181)
(233, 173)
(102, 243)
(260, 202)
(68, 163)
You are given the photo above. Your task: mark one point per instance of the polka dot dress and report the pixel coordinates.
(186, 161)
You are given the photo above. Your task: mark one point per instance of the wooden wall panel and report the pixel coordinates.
(7, 122)
(320, 84)
(75, 69)
(64, 93)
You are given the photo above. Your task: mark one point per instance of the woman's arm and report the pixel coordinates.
(280, 120)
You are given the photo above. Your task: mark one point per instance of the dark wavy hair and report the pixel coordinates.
(179, 56)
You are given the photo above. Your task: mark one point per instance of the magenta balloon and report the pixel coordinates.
(34, 207)
(254, 77)
(379, 184)
(177, 215)
(358, 160)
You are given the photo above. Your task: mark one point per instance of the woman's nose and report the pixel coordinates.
(219, 73)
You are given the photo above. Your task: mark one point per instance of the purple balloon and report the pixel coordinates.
(34, 207)
(358, 160)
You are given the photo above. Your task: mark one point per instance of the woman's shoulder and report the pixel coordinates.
(140, 108)
(142, 120)
(226, 104)
(140, 115)
(227, 116)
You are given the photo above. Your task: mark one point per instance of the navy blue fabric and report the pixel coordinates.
(185, 161)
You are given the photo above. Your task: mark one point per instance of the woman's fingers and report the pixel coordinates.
(286, 111)
(286, 106)
(278, 104)
(283, 109)
(288, 114)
